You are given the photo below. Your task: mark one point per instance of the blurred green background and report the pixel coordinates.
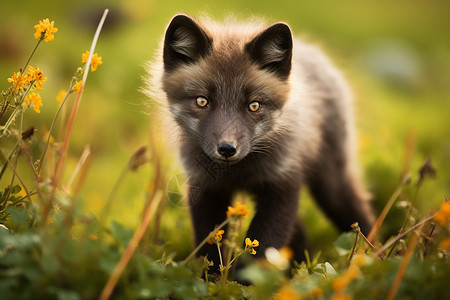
(395, 54)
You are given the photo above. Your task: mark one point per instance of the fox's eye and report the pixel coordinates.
(254, 106)
(201, 102)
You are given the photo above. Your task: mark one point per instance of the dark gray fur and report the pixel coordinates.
(302, 133)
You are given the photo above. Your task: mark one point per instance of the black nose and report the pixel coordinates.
(226, 149)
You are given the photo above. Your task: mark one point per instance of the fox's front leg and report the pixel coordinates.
(274, 223)
(208, 208)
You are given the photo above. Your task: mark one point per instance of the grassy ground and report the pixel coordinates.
(396, 55)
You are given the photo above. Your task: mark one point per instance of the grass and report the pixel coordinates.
(72, 253)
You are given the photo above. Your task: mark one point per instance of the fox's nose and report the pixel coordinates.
(226, 149)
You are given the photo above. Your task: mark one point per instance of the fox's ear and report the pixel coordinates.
(272, 49)
(184, 42)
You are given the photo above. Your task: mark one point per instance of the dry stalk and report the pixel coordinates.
(402, 269)
(135, 240)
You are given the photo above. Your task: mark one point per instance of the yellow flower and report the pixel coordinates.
(18, 81)
(316, 292)
(49, 137)
(77, 86)
(359, 260)
(352, 272)
(344, 280)
(443, 215)
(249, 243)
(445, 244)
(93, 237)
(287, 253)
(240, 210)
(60, 96)
(287, 293)
(34, 99)
(217, 237)
(341, 283)
(95, 60)
(45, 30)
(36, 75)
(341, 296)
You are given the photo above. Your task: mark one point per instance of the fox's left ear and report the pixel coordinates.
(184, 43)
(272, 49)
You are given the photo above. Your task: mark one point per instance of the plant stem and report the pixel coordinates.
(373, 233)
(233, 232)
(15, 111)
(135, 240)
(9, 157)
(17, 175)
(32, 53)
(6, 103)
(110, 199)
(401, 235)
(38, 170)
(60, 164)
(402, 269)
(192, 254)
(354, 247)
(220, 254)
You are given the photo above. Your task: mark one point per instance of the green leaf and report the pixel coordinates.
(16, 189)
(344, 243)
(178, 272)
(122, 234)
(66, 295)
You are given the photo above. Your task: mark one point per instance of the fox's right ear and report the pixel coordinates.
(272, 49)
(184, 43)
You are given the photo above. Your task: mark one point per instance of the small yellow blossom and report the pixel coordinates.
(240, 210)
(250, 245)
(341, 283)
(352, 272)
(341, 296)
(445, 244)
(50, 138)
(45, 30)
(359, 260)
(287, 253)
(93, 237)
(344, 280)
(22, 192)
(287, 293)
(18, 81)
(60, 96)
(443, 215)
(217, 237)
(36, 75)
(316, 292)
(77, 86)
(95, 60)
(34, 99)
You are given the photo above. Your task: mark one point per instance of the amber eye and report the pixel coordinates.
(201, 102)
(254, 106)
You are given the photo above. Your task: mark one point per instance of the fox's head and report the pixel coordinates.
(225, 87)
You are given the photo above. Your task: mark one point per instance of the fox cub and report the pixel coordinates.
(256, 110)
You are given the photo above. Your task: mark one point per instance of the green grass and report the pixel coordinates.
(114, 120)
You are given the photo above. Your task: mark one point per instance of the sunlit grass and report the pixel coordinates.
(112, 122)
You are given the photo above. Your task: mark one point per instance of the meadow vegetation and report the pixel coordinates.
(87, 212)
